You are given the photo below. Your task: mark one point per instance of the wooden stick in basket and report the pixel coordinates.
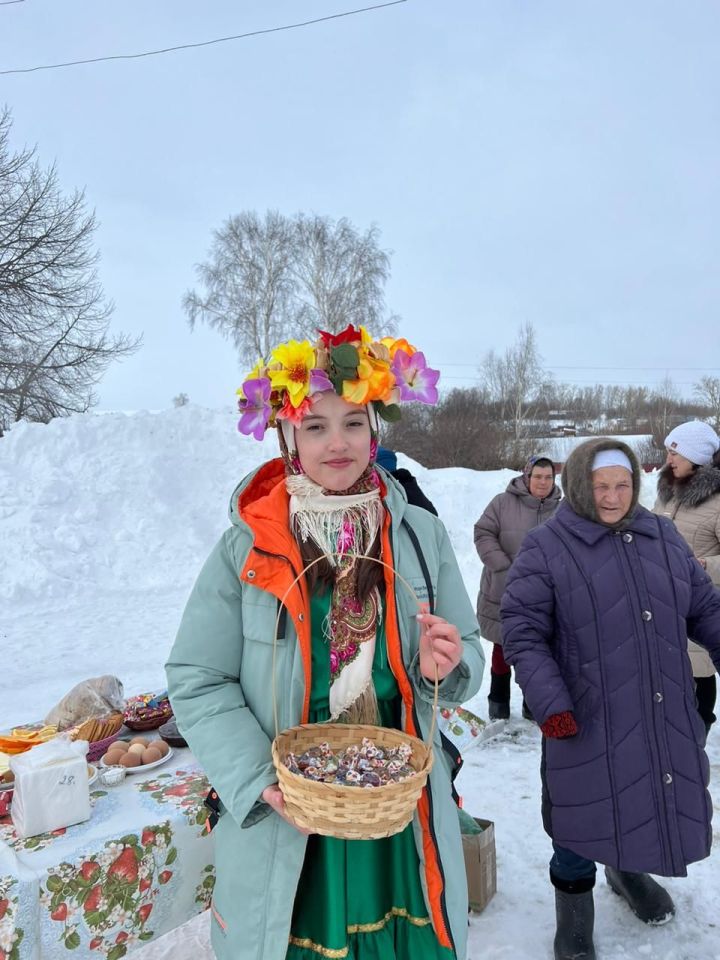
(422, 608)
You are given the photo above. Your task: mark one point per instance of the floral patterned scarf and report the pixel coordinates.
(343, 525)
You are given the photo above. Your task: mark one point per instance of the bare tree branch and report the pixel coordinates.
(54, 344)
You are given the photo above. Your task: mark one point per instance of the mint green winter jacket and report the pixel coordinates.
(219, 680)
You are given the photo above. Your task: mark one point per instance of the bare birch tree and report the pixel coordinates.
(278, 277)
(513, 378)
(707, 391)
(54, 340)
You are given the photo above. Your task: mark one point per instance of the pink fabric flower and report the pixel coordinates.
(415, 379)
(255, 407)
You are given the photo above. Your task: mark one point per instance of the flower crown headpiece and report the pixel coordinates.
(384, 372)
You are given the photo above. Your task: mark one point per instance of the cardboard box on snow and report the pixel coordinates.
(479, 852)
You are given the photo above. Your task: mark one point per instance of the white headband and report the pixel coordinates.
(611, 458)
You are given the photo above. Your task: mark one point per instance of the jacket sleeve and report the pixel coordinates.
(527, 611)
(712, 564)
(703, 621)
(203, 674)
(453, 605)
(487, 538)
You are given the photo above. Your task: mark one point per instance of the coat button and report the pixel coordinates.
(301, 617)
(627, 537)
(667, 778)
(251, 574)
(658, 697)
(646, 615)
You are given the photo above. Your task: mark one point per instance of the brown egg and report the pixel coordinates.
(121, 745)
(151, 755)
(130, 760)
(143, 740)
(113, 756)
(137, 748)
(161, 746)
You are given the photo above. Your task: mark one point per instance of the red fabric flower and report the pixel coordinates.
(126, 866)
(348, 335)
(560, 725)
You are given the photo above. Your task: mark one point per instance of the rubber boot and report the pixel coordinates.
(575, 914)
(645, 897)
(499, 697)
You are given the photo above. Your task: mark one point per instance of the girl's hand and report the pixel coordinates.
(273, 796)
(440, 645)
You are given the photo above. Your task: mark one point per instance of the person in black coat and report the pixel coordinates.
(386, 458)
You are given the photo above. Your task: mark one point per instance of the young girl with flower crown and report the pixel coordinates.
(351, 647)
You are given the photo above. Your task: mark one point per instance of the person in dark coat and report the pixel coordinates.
(597, 610)
(387, 459)
(528, 501)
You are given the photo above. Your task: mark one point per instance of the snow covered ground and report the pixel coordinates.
(104, 523)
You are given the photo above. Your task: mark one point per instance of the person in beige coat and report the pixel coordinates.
(689, 494)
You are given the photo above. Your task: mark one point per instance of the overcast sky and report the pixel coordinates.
(555, 162)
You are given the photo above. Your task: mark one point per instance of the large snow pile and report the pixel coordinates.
(104, 524)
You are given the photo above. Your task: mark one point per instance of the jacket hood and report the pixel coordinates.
(703, 484)
(518, 488)
(577, 478)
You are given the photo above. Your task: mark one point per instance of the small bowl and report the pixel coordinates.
(112, 776)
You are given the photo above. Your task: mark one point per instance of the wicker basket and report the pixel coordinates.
(349, 812)
(138, 717)
(98, 747)
(345, 811)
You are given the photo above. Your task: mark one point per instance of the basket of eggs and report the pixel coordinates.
(351, 781)
(135, 754)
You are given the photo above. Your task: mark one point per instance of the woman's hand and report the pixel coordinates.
(440, 645)
(273, 796)
(703, 562)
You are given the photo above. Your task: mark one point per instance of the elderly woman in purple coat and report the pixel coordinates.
(597, 610)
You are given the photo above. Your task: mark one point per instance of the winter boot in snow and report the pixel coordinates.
(646, 898)
(575, 914)
(499, 697)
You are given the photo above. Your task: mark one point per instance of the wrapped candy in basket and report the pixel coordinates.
(351, 808)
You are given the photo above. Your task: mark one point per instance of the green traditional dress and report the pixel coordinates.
(360, 899)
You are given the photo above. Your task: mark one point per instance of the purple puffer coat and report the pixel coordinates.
(596, 621)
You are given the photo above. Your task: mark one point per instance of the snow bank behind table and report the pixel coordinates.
(105, 521)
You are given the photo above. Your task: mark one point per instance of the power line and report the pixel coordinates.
(9, 3)
(666, 367)
(203, 43)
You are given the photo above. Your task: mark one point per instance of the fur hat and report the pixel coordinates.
(577, 476)
(694, 440)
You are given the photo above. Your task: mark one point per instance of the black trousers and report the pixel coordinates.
(706, 694)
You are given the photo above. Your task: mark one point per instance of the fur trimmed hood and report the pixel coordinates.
(703, 484)
(577, 477)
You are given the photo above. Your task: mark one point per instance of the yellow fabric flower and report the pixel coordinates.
(394, 345)
(295, 359)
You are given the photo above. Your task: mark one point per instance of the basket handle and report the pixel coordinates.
(357, 556)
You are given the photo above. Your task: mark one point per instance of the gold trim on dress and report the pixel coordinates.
(359, 928)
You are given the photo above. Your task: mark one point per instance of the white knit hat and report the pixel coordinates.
(694, 440)
(611, 458)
